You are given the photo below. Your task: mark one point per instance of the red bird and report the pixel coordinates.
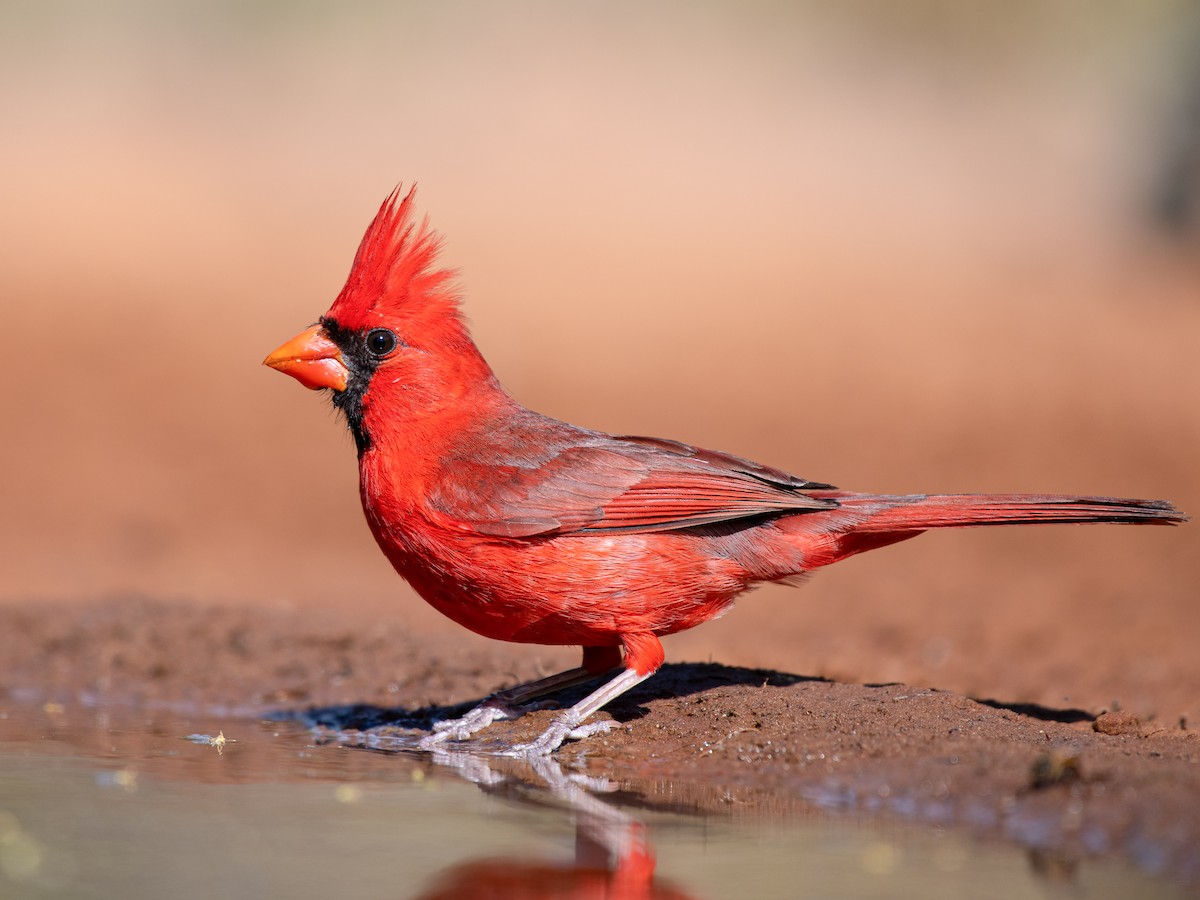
(524, 528)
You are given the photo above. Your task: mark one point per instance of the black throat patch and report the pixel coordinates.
(361, 365)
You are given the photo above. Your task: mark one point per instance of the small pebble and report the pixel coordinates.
(1117, 723)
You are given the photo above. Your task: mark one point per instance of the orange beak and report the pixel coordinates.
(312, 359)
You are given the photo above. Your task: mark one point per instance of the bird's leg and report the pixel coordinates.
(643, 656)
(507, 704)
(569, 723)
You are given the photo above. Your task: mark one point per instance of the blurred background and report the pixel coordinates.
(913, 247)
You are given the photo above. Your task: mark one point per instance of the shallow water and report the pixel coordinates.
(97, 803)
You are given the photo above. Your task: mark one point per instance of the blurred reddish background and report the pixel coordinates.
(899, 248)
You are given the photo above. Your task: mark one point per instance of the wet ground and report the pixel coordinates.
(160, 806)
(275, 814)
(211, 751)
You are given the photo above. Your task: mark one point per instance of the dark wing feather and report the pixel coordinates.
(726, 461)
(582, 481)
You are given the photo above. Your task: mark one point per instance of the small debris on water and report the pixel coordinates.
(219, 741)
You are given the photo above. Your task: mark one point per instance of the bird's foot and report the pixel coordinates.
(565, 727)
(491, 710)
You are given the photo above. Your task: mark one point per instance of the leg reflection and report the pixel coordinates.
(613, 857)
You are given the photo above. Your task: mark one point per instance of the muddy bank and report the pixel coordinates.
(1066, 782)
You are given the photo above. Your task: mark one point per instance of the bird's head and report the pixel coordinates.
(393, 346)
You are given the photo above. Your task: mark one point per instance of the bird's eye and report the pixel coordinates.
(381, 342)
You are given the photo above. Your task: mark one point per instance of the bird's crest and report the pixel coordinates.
(394, 275)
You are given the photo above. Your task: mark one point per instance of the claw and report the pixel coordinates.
(491, 710)
(568, 725)
(565, 727)
(601, 727)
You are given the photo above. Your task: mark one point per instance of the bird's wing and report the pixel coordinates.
(603, 483)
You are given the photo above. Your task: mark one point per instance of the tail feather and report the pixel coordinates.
(921, 511)
(866, 521)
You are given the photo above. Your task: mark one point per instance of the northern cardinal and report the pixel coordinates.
(524, 528)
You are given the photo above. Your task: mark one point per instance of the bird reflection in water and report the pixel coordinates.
(613, 856)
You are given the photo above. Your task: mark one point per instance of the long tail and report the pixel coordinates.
(921, 511)
(865, 521)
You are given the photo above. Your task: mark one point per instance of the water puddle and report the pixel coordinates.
(95, 804)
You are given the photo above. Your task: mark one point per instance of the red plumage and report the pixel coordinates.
(524, 528)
